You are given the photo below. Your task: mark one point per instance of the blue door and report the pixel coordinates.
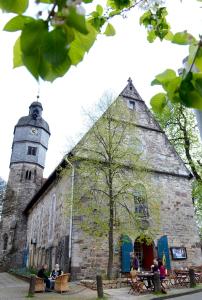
(126, 249)
(163, 251)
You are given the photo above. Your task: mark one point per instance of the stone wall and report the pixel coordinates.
(48, 226)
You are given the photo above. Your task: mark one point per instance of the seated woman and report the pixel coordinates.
(54, 274)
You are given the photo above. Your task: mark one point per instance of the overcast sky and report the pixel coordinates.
(107, 67)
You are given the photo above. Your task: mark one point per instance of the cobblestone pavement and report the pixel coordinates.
(12, 288)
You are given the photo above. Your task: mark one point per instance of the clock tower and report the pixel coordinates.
(30, 143)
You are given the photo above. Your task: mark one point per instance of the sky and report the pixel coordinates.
(107, 66)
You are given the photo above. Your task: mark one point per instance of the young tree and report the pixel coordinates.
(114, 195)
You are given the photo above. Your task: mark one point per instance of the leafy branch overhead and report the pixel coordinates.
(64, 31)
(186, 86)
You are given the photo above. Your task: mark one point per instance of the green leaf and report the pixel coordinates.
(120, 4)
(169, 36)
(31, 42)
(99, 10)
(193, 99)
(32, 63)
(50, 72)
(151, 36)
(197, 82)
(109, 31)
(198, 60)
(17, 54)
(76, 21)
(155, 82)
(54, 46)
(146, 18)
(158, 102)
(166, 76)
(14, 6)
(46, 1)
(17, 23)
(32, 36)
(183, 38)
(81, 44)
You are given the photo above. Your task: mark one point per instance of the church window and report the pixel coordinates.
(51, 218)
(131, 104)
(140, 201)
(31, 150)
(5, 241)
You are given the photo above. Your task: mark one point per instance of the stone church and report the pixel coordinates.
(39, 226)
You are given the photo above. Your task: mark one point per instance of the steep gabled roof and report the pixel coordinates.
(130, 91)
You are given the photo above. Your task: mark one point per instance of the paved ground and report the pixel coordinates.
(197, 296)
(12, 288)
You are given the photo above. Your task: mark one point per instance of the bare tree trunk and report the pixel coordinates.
(111, 229)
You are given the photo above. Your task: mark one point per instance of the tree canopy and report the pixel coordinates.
(63, 31)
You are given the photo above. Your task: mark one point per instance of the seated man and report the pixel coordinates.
(41, 274)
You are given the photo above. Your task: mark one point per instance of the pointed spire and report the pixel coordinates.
(130, 91)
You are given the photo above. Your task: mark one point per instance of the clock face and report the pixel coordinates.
(34, 131)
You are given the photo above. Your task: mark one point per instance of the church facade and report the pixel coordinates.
(52, 231)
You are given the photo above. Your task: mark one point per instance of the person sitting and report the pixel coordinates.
(155, 267)
(54, 274)
(41, 273)
(135, 262)
(162, 271)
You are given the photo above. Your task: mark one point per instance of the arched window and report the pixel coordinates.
(30, 175)
(140, 201)
(5, 241)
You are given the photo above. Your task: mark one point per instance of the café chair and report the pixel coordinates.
(61, 283)
(39, 284)
(136, 286)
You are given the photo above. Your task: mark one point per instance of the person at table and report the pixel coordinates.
(155, 266)
(135, 262)
(162, 270)
(42, 274)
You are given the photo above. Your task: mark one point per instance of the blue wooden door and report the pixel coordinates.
(126, 249)
(163, 251)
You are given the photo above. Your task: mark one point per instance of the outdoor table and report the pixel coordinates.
(147, 276)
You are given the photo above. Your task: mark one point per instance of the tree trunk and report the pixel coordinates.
(111, 229)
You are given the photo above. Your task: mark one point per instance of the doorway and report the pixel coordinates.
(145, 253)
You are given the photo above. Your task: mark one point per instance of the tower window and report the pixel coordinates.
(131, 104)
(31, 150)
(28, 175)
